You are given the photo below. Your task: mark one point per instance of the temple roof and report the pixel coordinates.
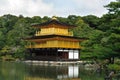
(52, 36)
(53, 21)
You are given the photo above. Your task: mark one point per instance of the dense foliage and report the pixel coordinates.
(105, 40)
(103, 33)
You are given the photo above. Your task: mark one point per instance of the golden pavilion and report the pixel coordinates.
(54, 41)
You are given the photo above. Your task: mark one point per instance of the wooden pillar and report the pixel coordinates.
(57, 54)
(46, 52)
(31, 54)
(63, 54)
(79, 53)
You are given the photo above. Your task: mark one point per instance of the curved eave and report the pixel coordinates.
(53, 22)
(52, 36)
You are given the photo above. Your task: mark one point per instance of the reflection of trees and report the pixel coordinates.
(46, 71)
(18, 71)
(52, 72)
(11, 71)
(90, 75)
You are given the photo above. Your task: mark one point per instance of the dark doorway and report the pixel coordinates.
(63, 55)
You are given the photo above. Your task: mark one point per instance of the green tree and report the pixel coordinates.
(91, 20)
(106, 44)
(81, 30)
(15, 37)
(114, 8)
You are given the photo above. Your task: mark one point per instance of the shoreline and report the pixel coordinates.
(35, 62)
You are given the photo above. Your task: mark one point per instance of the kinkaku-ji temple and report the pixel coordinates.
(53, 41)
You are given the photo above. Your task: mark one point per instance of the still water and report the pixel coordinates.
(23, 71)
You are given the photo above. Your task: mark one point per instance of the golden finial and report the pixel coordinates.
(54, 18)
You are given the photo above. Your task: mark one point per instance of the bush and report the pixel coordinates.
(117, 62)
(115, 67)
(7, 58)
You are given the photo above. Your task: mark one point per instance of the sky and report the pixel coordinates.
(61, 8)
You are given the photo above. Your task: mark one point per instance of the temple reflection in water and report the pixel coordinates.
(70, 72)
(21, 71)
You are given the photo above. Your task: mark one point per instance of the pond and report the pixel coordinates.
(23, 71)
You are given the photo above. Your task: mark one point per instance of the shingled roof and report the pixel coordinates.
(53, 21)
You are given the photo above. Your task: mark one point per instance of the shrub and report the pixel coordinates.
(115, 67)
